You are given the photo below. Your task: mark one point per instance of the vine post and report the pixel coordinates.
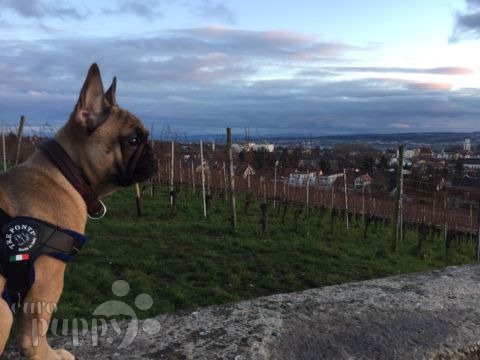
(203, 181)
(19, 138)
(397, 220)
(231, 179)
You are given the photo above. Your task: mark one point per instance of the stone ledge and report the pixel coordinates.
(432, 315)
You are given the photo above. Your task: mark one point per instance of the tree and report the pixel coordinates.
(367, 164)
(383, 162)
(325, 166)
(459, 166)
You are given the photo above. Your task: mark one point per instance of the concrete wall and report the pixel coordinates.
(433, 315)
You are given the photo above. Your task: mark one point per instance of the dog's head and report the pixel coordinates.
(108, 143)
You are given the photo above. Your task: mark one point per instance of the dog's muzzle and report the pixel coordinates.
(141, 167)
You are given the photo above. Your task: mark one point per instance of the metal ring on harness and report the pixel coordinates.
(102, 213)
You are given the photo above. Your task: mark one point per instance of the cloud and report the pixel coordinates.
(413, 84)
(467, 24)
(147, 9)
(191, 57)
(204, 79)
(212, 56)
(400, 70)
(473, 4)
(40, 9)
(399, 126)
(433, 86)
(270, 43)
(213, 10)
(153, 9)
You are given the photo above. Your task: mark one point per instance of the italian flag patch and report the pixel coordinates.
(21, 257)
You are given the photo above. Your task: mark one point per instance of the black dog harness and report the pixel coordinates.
(23, 240)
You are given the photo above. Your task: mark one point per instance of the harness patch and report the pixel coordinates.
(23, 240)
(21, 257)
(20, 238)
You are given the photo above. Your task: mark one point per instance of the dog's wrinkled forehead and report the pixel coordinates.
(129, 122)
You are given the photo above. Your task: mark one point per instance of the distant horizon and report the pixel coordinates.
(49, 129)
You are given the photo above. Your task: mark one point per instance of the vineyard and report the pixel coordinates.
(179, 246)
(426, 206)
(457, 210)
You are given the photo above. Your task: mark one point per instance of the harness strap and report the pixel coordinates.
(23, 240)
(59, 157)
(58, 239)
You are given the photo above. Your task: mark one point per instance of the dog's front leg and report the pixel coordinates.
(36, 312)
(6, 318)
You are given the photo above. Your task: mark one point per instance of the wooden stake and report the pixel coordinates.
(203, 181)
(172, 173)
(332, 197)
(370, 199)
(181, 172)
(308, 195)
(445, 229)
(346, 196)
(208, 176)
(363, 203)
(231, 178)
(398, 201)
(138, 200)
(471, 218)
(264, 186)
(275, 185)
(433, 210)
(152, 144)
(193, 177)
(225, 182)
(19, 138)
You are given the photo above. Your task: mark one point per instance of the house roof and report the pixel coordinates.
(365, 178)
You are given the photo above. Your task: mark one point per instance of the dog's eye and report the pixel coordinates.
(133, 141)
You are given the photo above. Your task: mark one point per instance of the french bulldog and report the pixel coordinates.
(100, 149)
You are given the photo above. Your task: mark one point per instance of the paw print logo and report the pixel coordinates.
(116, 308)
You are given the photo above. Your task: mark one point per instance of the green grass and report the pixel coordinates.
(184, 261)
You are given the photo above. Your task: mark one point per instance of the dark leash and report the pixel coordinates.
(59, 157)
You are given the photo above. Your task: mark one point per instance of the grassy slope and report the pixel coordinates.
(184, 261)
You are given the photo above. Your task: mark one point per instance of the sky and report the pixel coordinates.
(284, 67)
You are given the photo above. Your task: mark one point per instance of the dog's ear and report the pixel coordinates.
(91, 102)
(110, 94)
